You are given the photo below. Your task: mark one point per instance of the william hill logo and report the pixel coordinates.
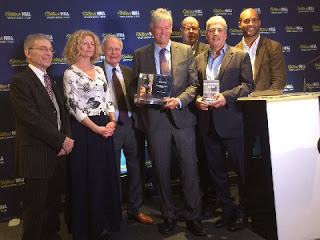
(144, 35)
(17, 62)
(222, 12)
(56, 15)
(306, 48)
(98, 14)
(4, 87)
(269, 30)
(56, 61)
(122, 36)
(317, 65)
(316, 28)
(68, 36)
(202, 32)
(1, 160)
(235, 31)
(192, 12)
(309, 9)
(295, 68)
(281, 10)
(3, 208)
(288, 88)
(6, 39)
(129, 14)
(18, 15)
(286, 49)
(7, 135)
(127, 57)
(175, 34)
(294, 29)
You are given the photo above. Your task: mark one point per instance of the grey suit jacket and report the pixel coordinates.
(38, 140)
(200, 47)
(235, 81)
(185, 84)
(270, 71)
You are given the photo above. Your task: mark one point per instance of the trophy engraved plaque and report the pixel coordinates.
(152, 88)
(210, 88)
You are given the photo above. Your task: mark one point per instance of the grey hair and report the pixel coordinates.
(108, 37)
(159, 15)
(217, 19)
(30, 39)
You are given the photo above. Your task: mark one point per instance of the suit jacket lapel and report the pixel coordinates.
(174, 59)
(259, 55)
(37, 82)
(204, 62)
(126, 76)
(225, 61)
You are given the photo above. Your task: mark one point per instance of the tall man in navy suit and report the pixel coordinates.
(172, 123)
(125, 136)
(42, 141)
(220, 121)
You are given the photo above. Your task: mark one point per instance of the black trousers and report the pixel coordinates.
(41, 206)
(216, 148)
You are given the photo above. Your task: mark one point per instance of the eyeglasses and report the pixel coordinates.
(44, 49)
(188, 29)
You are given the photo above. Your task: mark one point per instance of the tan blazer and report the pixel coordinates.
(270, 71)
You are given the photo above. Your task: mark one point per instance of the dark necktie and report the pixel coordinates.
(122, 105)
(164, 63)
(47, 85)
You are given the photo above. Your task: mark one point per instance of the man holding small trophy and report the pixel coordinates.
(169, 120)
(225, 74)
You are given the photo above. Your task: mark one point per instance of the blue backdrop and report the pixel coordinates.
(294, 23)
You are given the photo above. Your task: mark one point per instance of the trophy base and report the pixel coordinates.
(150, 101)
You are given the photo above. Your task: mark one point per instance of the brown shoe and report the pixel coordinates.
(142, 218)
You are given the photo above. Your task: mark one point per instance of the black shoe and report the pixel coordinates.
(196, 228)
(223, 222)
(239, 224)
(168, 226)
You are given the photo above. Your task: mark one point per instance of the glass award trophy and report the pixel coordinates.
(210, 88)
(152, 88)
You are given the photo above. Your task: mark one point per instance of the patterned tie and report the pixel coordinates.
(122, 105)
(164, 63)
(47, 85)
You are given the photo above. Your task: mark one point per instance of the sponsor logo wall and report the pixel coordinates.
(295, 24)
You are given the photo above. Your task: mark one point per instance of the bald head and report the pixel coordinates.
(249, 23)
(190, 30)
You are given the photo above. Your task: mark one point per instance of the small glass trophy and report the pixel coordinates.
(210, 88)
(152, 88)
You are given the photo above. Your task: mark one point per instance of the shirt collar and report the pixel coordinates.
(255, 43)
(109, 68)
(37, 71)
(157, 48)
(222, 51)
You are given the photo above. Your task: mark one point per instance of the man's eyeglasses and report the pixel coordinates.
(44, 49)
(188, 29)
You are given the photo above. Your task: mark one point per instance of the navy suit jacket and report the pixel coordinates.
(235, 81)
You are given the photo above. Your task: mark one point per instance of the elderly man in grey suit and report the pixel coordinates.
(220, 120)
(125, 137)
(42, 142)
(172, 123)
